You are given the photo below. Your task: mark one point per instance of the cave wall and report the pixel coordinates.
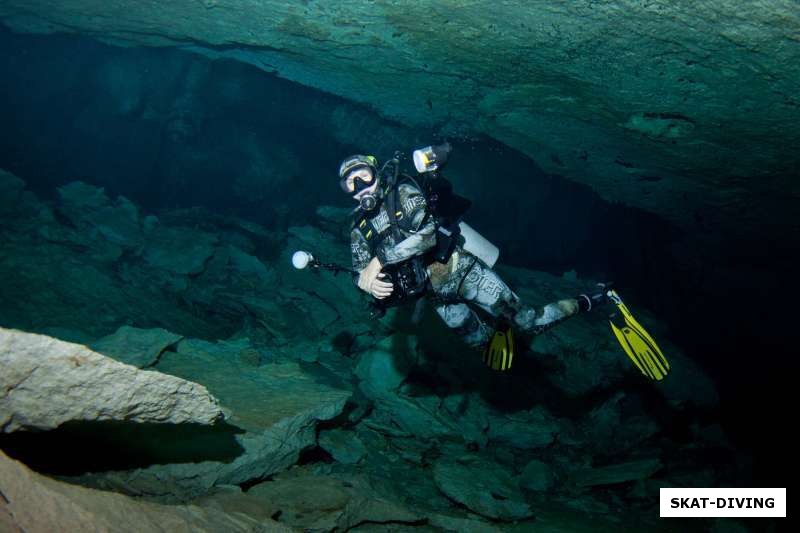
(167, 128)
(686, 110)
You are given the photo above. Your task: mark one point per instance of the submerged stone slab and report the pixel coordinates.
(179, 249)
(526, 430)
(317, 503)
(483, 487)
(421, 417)
(134, 346)
(32, 502)
(344, 446)
(619, 473)
(46, 382)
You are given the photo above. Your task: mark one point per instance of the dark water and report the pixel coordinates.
(169, 129)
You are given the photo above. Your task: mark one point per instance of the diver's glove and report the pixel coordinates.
(368, 280)
(587, 302)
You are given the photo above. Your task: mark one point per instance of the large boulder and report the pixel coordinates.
(47, 382)
(276, 408)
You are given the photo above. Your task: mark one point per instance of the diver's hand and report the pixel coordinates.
(381, 289)
(368, 280)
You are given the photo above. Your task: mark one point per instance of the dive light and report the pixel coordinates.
(431, 158)
(301, 259)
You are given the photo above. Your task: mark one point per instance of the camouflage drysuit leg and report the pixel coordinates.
(472, 283)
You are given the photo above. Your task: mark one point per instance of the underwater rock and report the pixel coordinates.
(78, 199)
(32, 502)
(601, 423)
(419, 416)
(276, 407)
(344, 446)
(238, 286)
(47, 382)
(536, 476)
(90, 292)
(526, 430)
(313, 503)
(179, 250)
(618, 473)
(472, 415)
(316, 503)
(386, 365)
(581, 354)
(11, 188)
(483, 487)
(371, 509)
(687, 384)
(605, 427)
(461, 524)
(319, 305)
(248, 266)
(133, 346)
(91, 211)
(334, 290)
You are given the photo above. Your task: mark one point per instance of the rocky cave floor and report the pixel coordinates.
(332, 421)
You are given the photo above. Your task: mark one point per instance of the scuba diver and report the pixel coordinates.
(408, 241)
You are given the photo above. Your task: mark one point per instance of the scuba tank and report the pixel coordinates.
(476, 244)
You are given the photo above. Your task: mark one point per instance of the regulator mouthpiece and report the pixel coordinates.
(368, 202)
(301, 259)
(431, 158)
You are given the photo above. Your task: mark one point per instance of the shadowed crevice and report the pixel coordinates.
(77, 448)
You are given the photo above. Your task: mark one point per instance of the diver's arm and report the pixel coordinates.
(367, 269)
(418, 243)
(361, 254)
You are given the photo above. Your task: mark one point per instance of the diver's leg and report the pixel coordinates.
(465, 322)
(484, 288)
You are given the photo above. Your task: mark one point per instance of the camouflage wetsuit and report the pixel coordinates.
(462, 281)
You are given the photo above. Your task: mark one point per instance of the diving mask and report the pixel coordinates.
(358, 179)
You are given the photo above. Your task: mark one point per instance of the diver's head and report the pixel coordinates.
(358, 176)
